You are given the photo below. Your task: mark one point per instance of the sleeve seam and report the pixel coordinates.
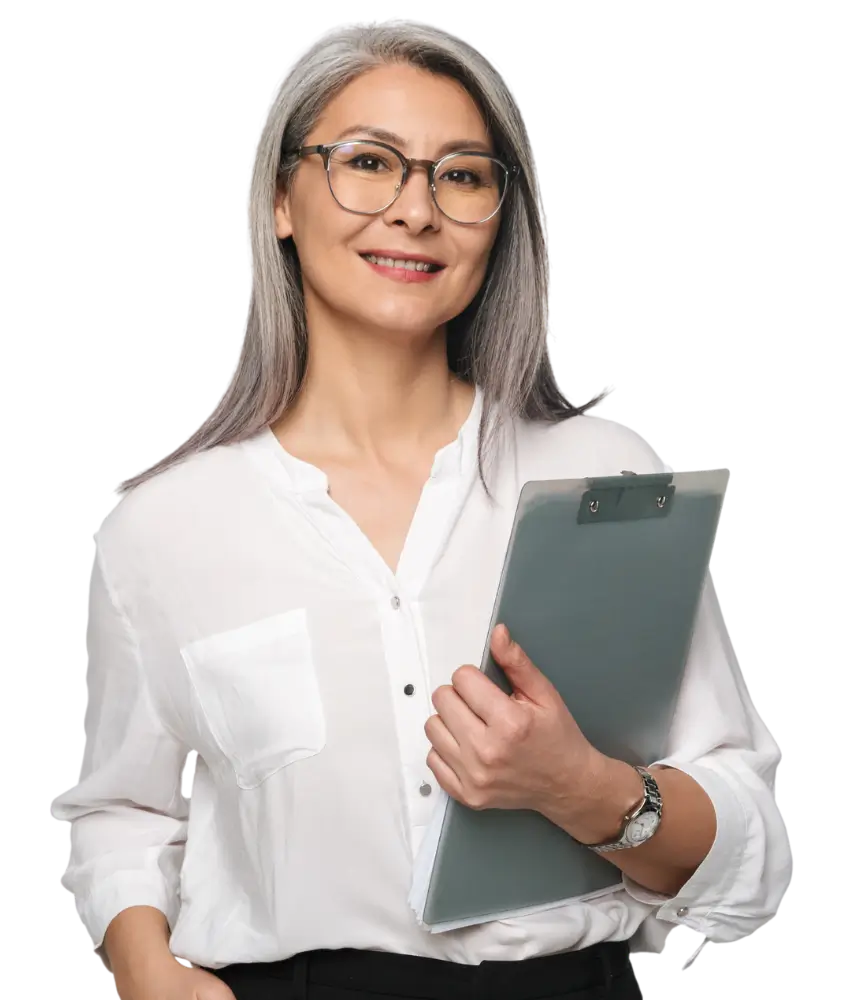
(134, 640)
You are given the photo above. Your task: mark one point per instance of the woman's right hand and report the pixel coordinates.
(169, 979)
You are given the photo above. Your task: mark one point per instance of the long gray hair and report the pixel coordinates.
(497, 343)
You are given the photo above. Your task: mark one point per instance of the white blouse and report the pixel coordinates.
(237, 611)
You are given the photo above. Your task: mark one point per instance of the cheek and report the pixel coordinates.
(319, 225)
(478, 249)
(323, 242)
(472, 272)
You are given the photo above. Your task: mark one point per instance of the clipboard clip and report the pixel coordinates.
(608, 498)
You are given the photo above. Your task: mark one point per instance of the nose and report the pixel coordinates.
(414, 206)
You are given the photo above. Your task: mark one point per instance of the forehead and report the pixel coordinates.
(420, 106)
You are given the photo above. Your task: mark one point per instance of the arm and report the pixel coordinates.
(127, 812)
(137, 937)
(145, 969)
(688, 825)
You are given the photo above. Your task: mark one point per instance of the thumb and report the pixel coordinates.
(524, 676)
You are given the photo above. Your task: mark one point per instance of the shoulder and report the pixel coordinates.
(585, 445)
(174, 502)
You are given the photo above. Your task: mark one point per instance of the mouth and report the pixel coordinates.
(407, 269)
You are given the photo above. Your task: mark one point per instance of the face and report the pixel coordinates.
(427, 112)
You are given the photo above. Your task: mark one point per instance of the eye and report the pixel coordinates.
(367, 162)
(462, 177)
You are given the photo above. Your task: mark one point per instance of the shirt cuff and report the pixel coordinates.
(710, 883)
(116, 893)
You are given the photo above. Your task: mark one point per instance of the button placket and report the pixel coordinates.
(412, 707)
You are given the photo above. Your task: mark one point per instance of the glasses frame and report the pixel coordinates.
(325, 150)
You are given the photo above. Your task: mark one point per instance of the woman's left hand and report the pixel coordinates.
(519, 751)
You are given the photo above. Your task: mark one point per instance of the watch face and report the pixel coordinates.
(643, 827)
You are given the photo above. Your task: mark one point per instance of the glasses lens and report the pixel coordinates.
(470, 188)
(364, 177)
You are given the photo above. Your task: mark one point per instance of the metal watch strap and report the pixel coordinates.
(651, 803)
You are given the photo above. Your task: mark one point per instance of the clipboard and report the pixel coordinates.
(600, 585)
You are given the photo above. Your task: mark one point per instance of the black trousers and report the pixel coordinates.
(600, 971)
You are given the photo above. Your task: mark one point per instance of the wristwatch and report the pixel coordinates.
(642, 822)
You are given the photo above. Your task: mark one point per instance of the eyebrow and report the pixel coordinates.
(381, 134)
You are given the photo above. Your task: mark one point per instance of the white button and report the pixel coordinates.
(395, 603)
(683, 911)
(424, 788)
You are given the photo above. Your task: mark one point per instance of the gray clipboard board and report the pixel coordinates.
(607, 573)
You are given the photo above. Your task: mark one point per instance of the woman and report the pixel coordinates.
(297, 593)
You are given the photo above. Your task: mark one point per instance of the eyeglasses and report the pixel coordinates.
(366, 177)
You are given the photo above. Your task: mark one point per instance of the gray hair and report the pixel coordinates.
(497, 343)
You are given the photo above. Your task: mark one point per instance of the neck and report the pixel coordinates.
(375, 397)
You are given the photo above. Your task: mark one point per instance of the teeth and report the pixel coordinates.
(410, 265)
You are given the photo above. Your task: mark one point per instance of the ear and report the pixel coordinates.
(282, 223)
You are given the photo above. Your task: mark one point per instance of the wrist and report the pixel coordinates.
(612, 791)
(624, 791)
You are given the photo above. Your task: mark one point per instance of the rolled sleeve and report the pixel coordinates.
(127, 812)
(117, 892)
(718, 738)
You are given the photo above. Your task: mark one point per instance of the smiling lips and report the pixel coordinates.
(409, 268)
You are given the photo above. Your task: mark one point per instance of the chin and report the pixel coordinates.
(403, 322)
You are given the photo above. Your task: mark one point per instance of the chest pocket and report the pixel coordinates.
(258, 689)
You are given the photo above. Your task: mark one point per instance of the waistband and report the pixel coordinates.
(420, 978)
